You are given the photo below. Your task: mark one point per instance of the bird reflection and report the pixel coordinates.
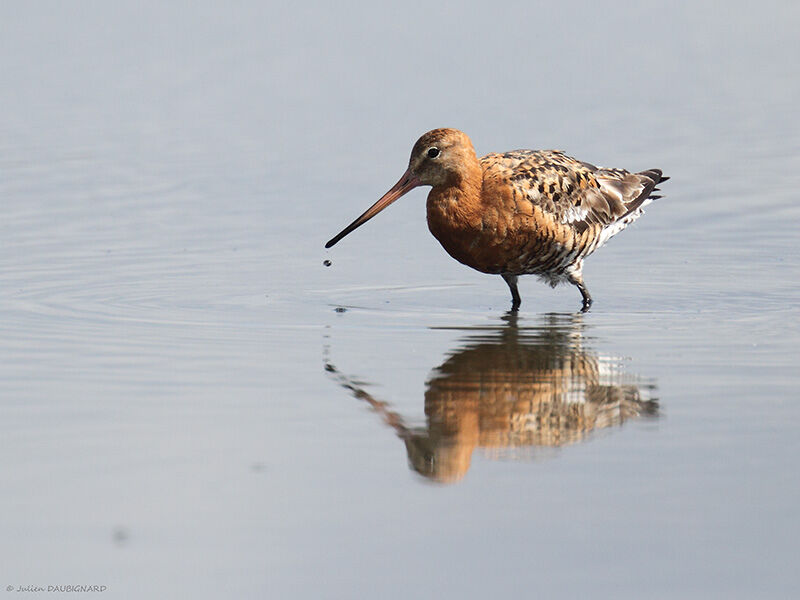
(511, 390)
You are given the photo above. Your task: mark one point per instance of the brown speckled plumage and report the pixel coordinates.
(521, 212)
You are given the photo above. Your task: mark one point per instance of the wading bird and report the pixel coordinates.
(524, 212)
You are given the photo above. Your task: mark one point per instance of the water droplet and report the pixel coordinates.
(340, 309)
(327, 263)
(120, 536)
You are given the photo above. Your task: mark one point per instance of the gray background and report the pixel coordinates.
(168, 177)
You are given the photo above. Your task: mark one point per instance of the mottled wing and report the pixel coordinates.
(572, 192)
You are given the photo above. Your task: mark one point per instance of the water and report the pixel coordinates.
(193, 404)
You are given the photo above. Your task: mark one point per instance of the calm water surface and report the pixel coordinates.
(192, 405)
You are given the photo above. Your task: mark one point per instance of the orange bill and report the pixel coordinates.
(407, 183)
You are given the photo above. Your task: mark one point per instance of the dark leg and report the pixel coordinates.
(511, 280)
(587, 299)
(576, 279)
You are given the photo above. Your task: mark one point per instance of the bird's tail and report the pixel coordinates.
(657, 177)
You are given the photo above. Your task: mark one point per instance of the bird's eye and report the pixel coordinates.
(433, 152)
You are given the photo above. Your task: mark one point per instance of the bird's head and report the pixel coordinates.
(438, 158)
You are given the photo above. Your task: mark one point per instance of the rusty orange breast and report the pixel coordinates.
(463, 226)
(492, 237)
(479, 224)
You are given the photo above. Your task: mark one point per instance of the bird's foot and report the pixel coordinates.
(587, 298)
(516, 300)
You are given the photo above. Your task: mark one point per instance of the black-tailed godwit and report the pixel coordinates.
(524, 212)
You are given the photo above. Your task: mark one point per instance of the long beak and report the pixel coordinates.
(407, 183)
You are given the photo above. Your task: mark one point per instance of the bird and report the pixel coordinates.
(523, 212)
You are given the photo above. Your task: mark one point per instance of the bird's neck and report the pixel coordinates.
(458, 200)
(455, 211)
